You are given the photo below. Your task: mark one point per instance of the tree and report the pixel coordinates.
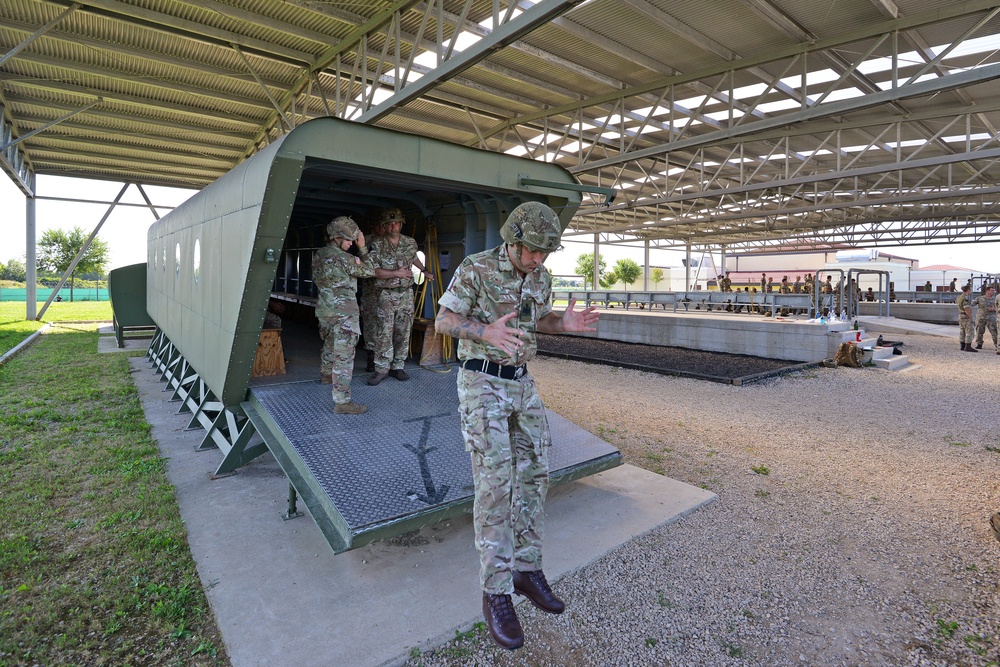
(657, 277)
(57, 249)
(585, 267)
(14, 270)
(627, 271)
(608, 279)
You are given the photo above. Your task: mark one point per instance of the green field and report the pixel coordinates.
(14, 328)
(95, 567)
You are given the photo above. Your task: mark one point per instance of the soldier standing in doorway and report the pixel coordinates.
(335, 272)
(392, 256)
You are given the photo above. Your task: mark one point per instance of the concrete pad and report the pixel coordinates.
(281, 597)
(901, 326)
(107, 344)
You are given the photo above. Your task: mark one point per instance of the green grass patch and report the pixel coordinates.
(14, 328)
(94, 562)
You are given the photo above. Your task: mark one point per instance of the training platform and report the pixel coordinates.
(789, 338)
(400, 466)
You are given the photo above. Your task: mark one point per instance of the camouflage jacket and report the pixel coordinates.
(485, 287)
(390, 257)
(335, 273)
(963, 302)
(987, 307)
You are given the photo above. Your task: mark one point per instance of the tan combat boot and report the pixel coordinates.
(349, 408)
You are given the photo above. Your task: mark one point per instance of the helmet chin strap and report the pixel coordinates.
(518, 265)
(520, 261)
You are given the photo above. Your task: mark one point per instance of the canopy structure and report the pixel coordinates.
(731, 124)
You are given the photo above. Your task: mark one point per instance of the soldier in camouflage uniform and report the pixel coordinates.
(986, 318)
(392, 256)
(965, 330)
(996, 306)
(335, 272)
(495, 304)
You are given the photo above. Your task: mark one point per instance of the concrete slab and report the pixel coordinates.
(107, 344)
(791, 338)
(281, 597)
(898, 325)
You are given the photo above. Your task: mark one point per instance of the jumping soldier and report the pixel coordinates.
(497, 301)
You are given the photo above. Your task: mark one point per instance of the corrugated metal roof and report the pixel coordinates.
(180, 104)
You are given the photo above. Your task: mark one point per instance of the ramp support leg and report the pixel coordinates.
(292, 512)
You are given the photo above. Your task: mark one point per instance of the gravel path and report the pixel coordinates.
(851, 526)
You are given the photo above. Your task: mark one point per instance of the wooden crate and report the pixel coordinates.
(270, 357)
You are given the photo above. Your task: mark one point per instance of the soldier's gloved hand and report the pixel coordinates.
(360, 239)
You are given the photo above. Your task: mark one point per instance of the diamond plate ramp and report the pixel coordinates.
(399, 466)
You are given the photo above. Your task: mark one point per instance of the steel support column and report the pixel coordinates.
(30, 259)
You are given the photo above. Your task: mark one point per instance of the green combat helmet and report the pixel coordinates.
(533, 225)
(342, 227)
(391, 215)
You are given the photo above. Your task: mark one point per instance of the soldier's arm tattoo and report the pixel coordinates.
(450, 323)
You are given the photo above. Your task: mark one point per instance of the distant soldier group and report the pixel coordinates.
(386, 304)
(986, 317)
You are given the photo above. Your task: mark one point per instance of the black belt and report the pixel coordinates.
(495, 369)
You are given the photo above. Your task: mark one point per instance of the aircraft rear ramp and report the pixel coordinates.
(401, 465)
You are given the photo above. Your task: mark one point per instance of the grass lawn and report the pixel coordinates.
(95, 567)
(14, 328)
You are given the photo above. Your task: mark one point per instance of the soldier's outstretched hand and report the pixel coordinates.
(583, 320)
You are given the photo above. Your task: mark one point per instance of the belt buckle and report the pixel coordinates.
(519, 372)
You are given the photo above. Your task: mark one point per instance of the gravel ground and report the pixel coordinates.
(851, 526)
(678, 360)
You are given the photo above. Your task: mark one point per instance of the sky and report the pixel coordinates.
(125, 229)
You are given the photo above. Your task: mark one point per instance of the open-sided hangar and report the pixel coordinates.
(733, 124)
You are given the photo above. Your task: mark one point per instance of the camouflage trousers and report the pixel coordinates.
(507, 435)
(966, 329)
(337, 356)
(369, 323)
(394, 322)
(983, 325)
